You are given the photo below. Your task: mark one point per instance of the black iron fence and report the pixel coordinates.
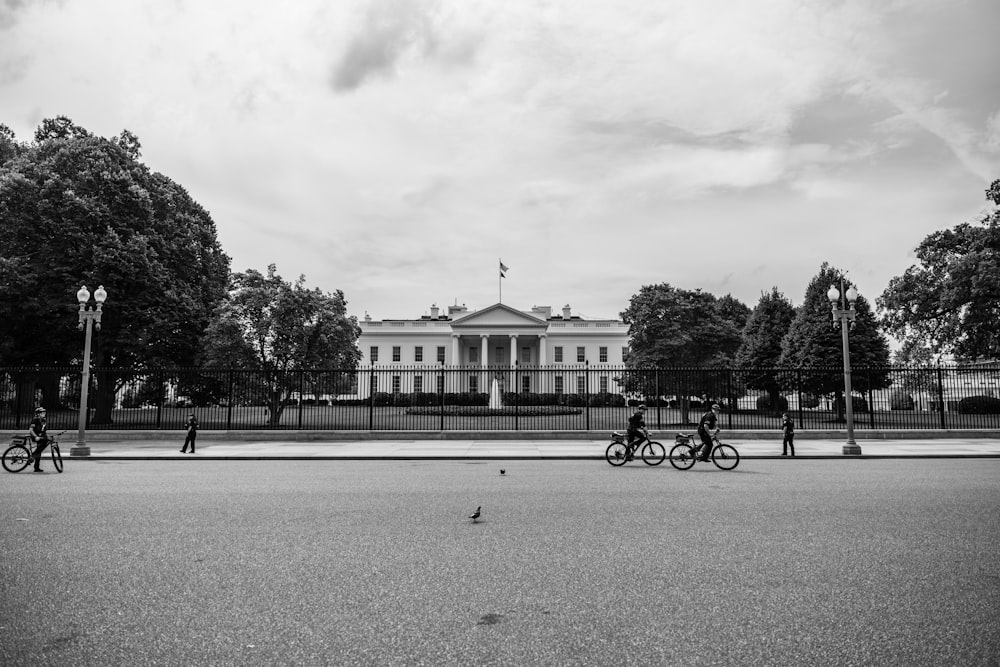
(522, 398)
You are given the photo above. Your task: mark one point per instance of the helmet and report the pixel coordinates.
(641, 406)
(38, 410)
(715, 406)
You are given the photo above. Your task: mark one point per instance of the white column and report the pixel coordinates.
(542, 356)
(513, 350)
(455, 350)
(484, 355)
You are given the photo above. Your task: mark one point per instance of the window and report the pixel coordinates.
(440, 354)
(396, 354)
(474, 384)
(581, 384)
(374, 384)
(418, 353)
(440, 384)
(526, 384)
(473, 355)
(559, 384)
(418, 384)
(525, 355)
(498, 355)
(373, 353)
(558, 355)
(624, 354)
(603, 354)
(604, 384)
(581, 354)
(396, 384)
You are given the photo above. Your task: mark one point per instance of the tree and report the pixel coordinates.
(284, 330)
(814, 345)
(760, 350)
(80, 209)
(672, 327)
(950, 301)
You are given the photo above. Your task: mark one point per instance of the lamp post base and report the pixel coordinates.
(80, 449)
(852, 449)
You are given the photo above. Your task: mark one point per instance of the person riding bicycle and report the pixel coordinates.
(39, 434)
(707, 428)
(637, 429)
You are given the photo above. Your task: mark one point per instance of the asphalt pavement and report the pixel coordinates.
(406, 449)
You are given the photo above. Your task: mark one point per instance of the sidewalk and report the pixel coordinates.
(510, 449)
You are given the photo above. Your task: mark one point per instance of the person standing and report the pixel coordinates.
(788, 433)
(192, 433)
(39, 434)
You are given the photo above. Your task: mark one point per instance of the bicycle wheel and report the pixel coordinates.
(653, 453)
(617, 453)
(682, 456)
(16, 458)
(725, 457)
(56, 456)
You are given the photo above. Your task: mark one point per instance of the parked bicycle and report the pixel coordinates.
(18, 455)
(619, 452)
(685, 452)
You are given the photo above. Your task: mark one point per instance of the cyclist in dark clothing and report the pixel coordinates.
(708, 427)
(39, 434)
(637, 429)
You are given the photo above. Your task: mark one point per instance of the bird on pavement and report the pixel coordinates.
(502, 471)
(475, 515)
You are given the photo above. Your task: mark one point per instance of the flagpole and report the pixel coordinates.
(500, 281)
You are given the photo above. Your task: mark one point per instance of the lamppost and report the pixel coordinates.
(89, 318)
(843, 317)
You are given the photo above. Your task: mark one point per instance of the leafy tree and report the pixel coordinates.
(950, 301)
(672, 327)
(78, 209)
(285, 330)
(760, 351)
(814, 345)
(9, 148)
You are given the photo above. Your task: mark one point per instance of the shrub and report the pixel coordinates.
(900, 400)
(764, 404)
(979, 405)
(858, 404)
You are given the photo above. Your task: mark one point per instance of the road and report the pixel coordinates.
(842, 562)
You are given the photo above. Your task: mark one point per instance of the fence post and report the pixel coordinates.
(229, 402)
(441, 386)
(798, 392)
(158, 378)
(656, 388)
(371, 399)
(941, 394)
(871, 405)
(301, 387)
(586, 391)
(729, 396)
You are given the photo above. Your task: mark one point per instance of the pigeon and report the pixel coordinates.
(502, 471)
(475, 515)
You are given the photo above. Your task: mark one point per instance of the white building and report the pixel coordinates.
(532, 348)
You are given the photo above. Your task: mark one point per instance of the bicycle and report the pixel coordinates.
(619, 452)
(683, 454)
(17, 457)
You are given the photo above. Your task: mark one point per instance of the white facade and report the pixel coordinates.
(499, 337)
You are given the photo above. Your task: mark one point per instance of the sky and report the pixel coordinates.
(398, 150)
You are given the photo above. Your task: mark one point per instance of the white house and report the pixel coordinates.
(528, 350)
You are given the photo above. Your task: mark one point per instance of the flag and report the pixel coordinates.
(503, 269)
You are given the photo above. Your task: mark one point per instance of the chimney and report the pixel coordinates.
(434, 311)
(566, 312)
(544, 312)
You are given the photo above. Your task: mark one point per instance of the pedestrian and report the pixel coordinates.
(39, 434)
(788, 433)
(192, 433)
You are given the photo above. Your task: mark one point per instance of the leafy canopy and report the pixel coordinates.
(78, 209)
(950, 301)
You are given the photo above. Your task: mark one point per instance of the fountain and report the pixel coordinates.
(495, 401)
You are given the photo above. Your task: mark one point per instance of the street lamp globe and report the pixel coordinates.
(852, 294)
(83, 296)
(833, 294)
(100, 296)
